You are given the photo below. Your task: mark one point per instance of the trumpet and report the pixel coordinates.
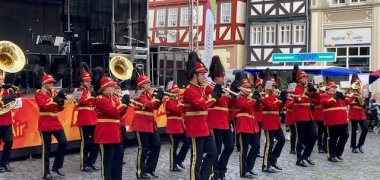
(132, 101)
(226, 90)
(166, 93)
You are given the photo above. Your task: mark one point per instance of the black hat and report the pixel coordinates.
(239, 76)
(216, 68)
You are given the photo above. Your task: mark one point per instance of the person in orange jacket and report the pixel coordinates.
(8, 93)
(86, 120)
(289, 120)
(219, 122)
(50, 102)
(318, 116)
(335, 111)
(357, 116)
(272, 128)
(247, 130)
(175, 127)
(196, 106)
(305, 127)
(107, 130)
(145, 127)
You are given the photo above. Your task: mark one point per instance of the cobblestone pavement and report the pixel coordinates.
(355, 166)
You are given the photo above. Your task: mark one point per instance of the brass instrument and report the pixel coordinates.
(356, 86)
(166, 93)
(135, 103)
(12, 60)
(121, 67)
(226, 90)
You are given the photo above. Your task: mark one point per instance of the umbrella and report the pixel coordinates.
(339, 71)
(373, 76)
(375, 73)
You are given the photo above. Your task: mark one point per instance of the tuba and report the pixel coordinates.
(12, 60)
(121, 67)
(356, 86)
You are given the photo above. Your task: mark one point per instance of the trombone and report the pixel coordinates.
(132, 101)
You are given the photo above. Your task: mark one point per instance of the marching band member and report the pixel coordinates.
(335, 111)
(107, 131)
(318, 116)
(272, 128)
(8, 93)
(50, 102)
(86, 120)
(258, 108)
(357, 115)
(196, 105)
(116, 100)
(219, 122)
(247, 130)
(289, 120)
(175, 127)
(305, 128)
(144, 125)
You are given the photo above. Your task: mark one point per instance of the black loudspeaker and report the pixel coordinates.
(181, 78)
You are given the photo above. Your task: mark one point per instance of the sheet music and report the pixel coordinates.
(18, 103)
(77, 94)
(292, 87)
(318, 79)
(268, 84)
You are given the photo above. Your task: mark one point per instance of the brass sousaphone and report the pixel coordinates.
(121, 67)
(12, 60)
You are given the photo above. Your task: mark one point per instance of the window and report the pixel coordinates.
(358, 1)
(161, 17)
(255, 35)
(284, 34)
(172, 17)
(351, 57)
(225, 13)
(299, 34)
(338, 2)
(270, 35)
(185, 16)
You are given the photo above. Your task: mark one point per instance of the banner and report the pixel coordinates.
(209, 33)
(25, 123)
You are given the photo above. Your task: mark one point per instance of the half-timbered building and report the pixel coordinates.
(275, 26)
(169, 26)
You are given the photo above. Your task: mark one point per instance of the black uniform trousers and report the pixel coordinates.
(88, 149)
(293, 136)
(248, 158)
(338, 136)
(7, 136)
(225, 137)
(201, 166)
(271, 154)
(149, 145)
(363, 134)
(124, 140)
(260, 128)
(306, 136)
(322, 136)
(46, 147)
(176, 158)
(112, 161)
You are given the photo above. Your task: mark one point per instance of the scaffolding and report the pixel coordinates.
(193, 25)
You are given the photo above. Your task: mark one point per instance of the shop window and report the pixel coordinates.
(353, 51)
(342, 51)
(364, 51)
(358, 1)
(337, 2)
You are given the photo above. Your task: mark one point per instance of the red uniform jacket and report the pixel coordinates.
(117, 103)
(258, 113)
(245, 120)
(196, 105)
(335, 111)
(289, 112)
(107, 130)
(143, 121)
(271, 107)
(318, 114)
(301, 105)
(86, 109)
(7, 118)
(356, 111)
(48, 120)
(218, 114)
(174, 114)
